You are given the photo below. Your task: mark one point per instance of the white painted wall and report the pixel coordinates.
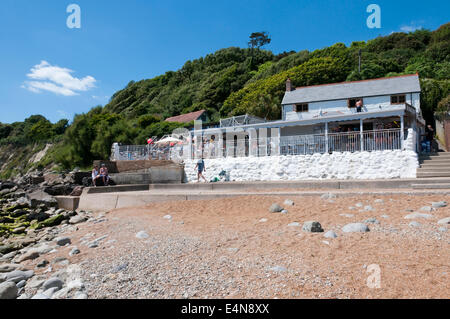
(359, 165)
(343, 166)
(374, 103)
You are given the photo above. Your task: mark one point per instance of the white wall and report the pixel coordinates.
(361, 165)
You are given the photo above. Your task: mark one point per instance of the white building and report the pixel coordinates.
(353, 130)
(321, 135)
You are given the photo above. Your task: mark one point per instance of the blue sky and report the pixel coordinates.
(47, 68)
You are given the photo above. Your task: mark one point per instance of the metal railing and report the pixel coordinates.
(377, 140)
(140, 152)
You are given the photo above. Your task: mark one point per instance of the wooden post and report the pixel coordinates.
(326, 137)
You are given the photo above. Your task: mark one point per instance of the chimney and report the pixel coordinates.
(288, 85)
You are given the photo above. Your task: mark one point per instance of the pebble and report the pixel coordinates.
(284, 211)
(74, 251)
(289, 202)
(371, 221)
(263, 220)
(275, 208)
(347, 215)
(444, 221)
(142, 235)
(330, 234)
(427, 209)
(379, 201)
(62, 241)
(295, 224)
(414, 224)
(355, 227)
(167, 217)
(312, 227)
(21, 284)
(418, 215)
(278, 269)
(42, 264)
(439, 204)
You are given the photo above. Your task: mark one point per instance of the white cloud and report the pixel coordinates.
(46, 77)
(410, 28)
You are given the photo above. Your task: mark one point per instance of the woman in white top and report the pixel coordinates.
(95, 175)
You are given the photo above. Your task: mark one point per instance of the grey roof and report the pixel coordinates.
(345, 90)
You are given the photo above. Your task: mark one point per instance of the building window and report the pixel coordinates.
(352, 102)
(301, 107)
(398, 99)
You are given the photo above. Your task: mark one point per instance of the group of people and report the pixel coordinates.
(100, 174)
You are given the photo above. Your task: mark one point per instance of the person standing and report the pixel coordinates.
(429, 138)
(200, 167)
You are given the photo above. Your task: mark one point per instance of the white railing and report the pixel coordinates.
(141, 152)
(377, 140)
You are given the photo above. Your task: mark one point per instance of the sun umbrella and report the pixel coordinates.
(168, 140)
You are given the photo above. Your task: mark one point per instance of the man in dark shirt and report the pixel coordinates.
(200, 167)
(430, 137)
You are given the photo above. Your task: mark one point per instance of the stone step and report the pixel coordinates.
(431, 186)
(427, 174)
(436, 161)
(443, 166)
(433, 169)
(445, 155)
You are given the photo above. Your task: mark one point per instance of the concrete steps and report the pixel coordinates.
(434, 165)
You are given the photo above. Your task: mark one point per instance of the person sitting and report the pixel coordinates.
(95, 175)
(359, 106)
(104, 174)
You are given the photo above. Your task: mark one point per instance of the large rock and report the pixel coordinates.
(275, 208)
(53, 283)
(312, 227)
(17, 275)
(77, 220)
(355, 228)
(29, 255)
(8, 291)
(10, 267)
(40, 197)
(59, 190)
(7, 185)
